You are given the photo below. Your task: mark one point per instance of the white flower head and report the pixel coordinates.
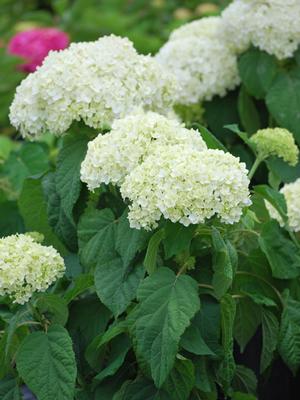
(112, 156)
(291, 192)
(96, 82)
(185, 185)
(270, 25)
(27, 267)
(202, 62)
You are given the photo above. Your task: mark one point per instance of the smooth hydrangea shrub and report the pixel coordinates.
(95, 82)
(27, 266)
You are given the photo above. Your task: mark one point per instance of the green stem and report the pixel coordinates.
(254, 167)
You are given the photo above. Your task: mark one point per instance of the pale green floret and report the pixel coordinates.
(276, 142)
(27, 267)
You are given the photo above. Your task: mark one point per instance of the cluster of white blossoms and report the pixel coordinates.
(203, 63)
(27, 267)
(96, 82)
(291, 192)
(270, 25)
(187, 186)
(112, 156)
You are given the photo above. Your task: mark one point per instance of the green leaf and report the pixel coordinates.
(46, 363)
(224, 263)
(226, 369)
(181, 380)
(167, 303)
(81, 284)
(274, 197)
(257, 70)
(54, 307)
(30, 159)
(248, 113)
(129, 241)
(289, 335)
(282, 170)
(116, 284)
(202, 337)
(9, 389)
(98, 343)
(118, 351)
(247, 320)
(177, 238)
(244, 380)
(96, 235)
(211, 141)
(243, 396)
(205, 375)
(270, 329)
(61, 224)
(150, 261)
(283, 255)
(73, 266)
(283, 101)
(33, 209)
(67, 175)
(11, 221)
(140, 389)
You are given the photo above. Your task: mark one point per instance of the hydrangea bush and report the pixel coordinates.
(156, 247)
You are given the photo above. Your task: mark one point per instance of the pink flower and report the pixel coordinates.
(33, 45)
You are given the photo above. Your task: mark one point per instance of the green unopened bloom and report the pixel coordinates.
(276, 142)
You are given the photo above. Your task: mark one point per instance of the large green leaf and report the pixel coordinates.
(115, 358)
(211, 141)
(46, 362)
(226, 369)
(167, 303)
(202, 337)
(96, 235)
(30, 159)
(270, 330)
(67, 175)
(289, 334)
(224, 263)
(54, 307)
(62, 225)
(181, 380)
(205, 377)
(11, 221)
(244, 380)
(116, 284)
(283, 100)
(177, 238)
(80, 285)
(140, 389)
(247, 320)
(33, 209)
(273, 197)
(129, 241)
(9, 389)
(257, 70)
(283, 255)
(248, 113)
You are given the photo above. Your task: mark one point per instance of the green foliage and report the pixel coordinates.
(46, 362)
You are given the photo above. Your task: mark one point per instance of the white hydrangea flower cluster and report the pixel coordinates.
(203, 63)
(187, 186)
(291, 192)
(112, 156)
(96, 82)
(270, 25)
(27, 267)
